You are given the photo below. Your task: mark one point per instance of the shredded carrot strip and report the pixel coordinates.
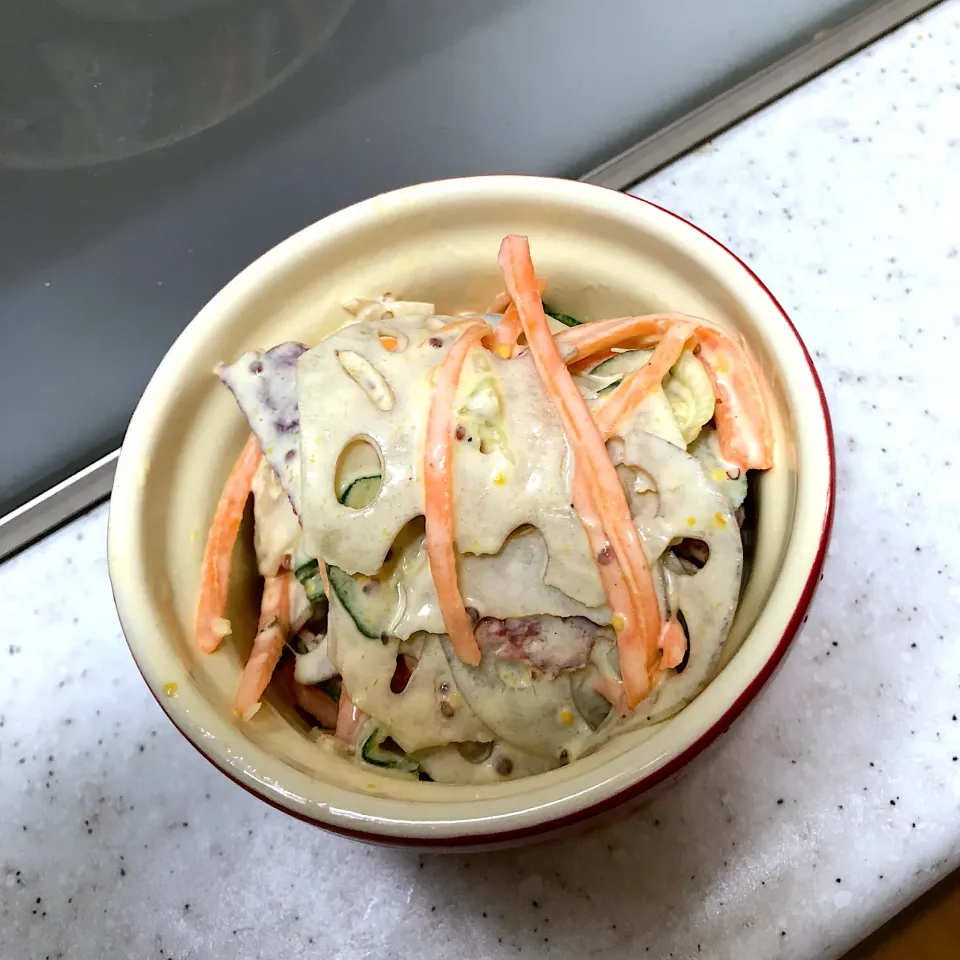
(460, 324)
(638, 384)
(638, 625)
(499, 303)
(218, 554)
(600, 335)
(509, 330)
(438, 496)
(268, 644)
(310, 698)
(633, 657)
(502, 300)
(507, 333)
(350, 719)
(613, 691)
(743, 423)
(673, 643)
(318, 703)
(586, 364)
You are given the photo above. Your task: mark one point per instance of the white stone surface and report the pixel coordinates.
(833, 802)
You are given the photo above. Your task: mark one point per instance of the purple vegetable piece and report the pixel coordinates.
(265, 387)
(550, 645)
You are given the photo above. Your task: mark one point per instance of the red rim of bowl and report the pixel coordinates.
(648, 782)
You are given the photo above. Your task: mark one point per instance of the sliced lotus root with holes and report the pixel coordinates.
(428, 712)
(264, 385)
(479, 763)
(351, 386)
(506, 585)
(521, 705)
(689, 507)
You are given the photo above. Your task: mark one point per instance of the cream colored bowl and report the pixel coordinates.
(605, 254)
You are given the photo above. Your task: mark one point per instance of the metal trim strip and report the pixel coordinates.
(57, 505)
(826, 49)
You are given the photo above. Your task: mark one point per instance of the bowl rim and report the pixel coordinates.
(424, 838)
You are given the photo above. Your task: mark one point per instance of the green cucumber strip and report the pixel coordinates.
(618, 363)
(313, 588)
(306, 572)
(563, 318)
(309, 575)
(373, 753)
(361, 492)
(369, 602)
(358, 494)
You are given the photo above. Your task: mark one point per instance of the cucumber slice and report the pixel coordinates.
(306, 572)
(314, 590)
(563, 318)
(610, 372)
(361, 492)
(371, 603)
(373, 752)
(362, 601)
(621, 363)
(309, 575)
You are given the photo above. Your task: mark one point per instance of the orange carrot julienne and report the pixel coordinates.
(612, 690)
(586, 364)
(272, 631)
(438, 496)
(325, 579)
(614, 588)
(508, 331)
(460, 324)
(350, 718)
(506, 335)
(499, 303)
(673, 643)
(637, 627)
(310, 698)
(588, 339)
(638, 384)
(318, 703)
(217, 556)
(743, 422)
(502, 300)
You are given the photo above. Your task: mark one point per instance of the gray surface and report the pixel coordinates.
(149, 150)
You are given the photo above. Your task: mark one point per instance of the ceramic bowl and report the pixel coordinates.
(605, 254)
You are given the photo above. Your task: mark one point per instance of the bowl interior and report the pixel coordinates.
(604, 254)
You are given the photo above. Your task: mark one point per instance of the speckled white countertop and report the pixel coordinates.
(833, 802)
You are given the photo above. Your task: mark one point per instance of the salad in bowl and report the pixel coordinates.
(488, 542)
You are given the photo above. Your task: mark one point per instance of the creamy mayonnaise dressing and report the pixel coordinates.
(524, 481)
(351, 408)
(510, 583)
(414, 717)
(265, 390)
(690, 506)
(276, 529)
